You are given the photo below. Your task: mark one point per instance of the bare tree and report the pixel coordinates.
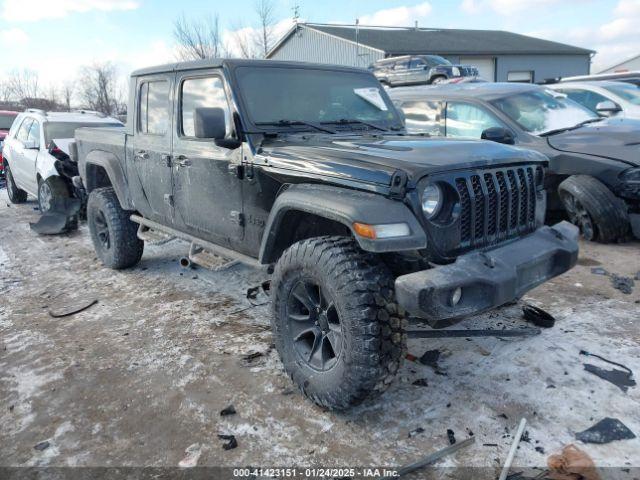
(198, 39)
(266, 17)
(23, 84)
(5, 91)
(99, 89)
(68, 90)
(243, 41)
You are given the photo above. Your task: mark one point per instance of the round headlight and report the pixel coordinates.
(431, 200)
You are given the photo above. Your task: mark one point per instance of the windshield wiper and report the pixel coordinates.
(290, 123)
(566, 129)
(354, 121)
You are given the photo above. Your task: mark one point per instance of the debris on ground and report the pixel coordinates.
(42, 446)
(415, 432)
(430, 359)
(434, 457)
(421, 382)
(572, 464)
(605, 431)
(451, 436)
(512, 450)
(231, 441)
(624, 284)
(621, 379)
(249, 360)
(599, 271)
(61, 218)
(230, 410)
(538, 316)
(193, 455)
(515, 332)
(70, 307)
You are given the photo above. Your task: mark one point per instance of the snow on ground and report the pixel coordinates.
(140, 377)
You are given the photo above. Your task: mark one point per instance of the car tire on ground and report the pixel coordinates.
(49, 190)
(590, 205)
(16, 195)
(438, 79)
(336, 325)
(113, 233)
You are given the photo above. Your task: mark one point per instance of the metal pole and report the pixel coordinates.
(512, 452)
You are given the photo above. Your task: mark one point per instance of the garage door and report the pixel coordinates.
(486, 66)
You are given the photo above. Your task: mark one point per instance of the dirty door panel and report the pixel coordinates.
(207, 191)
(152, 146)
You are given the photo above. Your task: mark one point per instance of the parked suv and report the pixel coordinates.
(594, 167)
(417, 69)
(307, 169)
(606, 98)
(6, 120)
(36, 141)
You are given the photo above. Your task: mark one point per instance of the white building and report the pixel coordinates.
(630, 65)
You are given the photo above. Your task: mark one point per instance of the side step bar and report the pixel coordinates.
(200, 249)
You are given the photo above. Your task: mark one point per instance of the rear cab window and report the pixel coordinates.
(153, 111)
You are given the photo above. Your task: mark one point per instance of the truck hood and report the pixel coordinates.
(617, 139)
(375, 159)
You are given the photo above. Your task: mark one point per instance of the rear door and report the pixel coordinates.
(417, 72)
(400, 73)
(151, 159)
(207, 189)
(16, 154)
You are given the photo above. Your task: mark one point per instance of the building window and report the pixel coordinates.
(525, 76)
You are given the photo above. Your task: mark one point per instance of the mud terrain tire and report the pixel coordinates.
(355, 290)
(16, 195)
(113, 233)
(599, 214)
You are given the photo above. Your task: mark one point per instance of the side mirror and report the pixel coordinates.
(30, 145)
(210, 123)
(499, 135)
(607, 108)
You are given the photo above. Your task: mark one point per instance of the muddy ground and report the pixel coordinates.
(142, 375)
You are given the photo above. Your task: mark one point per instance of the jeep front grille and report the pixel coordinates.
(496, 205)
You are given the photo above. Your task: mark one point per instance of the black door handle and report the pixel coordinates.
(183, 161)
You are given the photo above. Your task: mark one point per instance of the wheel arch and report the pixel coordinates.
(103, 169)
(306, 210)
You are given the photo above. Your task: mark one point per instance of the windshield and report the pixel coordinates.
(60, 130)
(542, 111)
(631, 93)
(281, 96)
(436, 60)
(6, 120)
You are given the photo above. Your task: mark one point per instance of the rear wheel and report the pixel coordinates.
(591, 206)
(16, 195)
(51, 191)
(336, 325)
(114, 235)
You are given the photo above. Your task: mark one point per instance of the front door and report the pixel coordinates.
(207, 188)
(151, 156)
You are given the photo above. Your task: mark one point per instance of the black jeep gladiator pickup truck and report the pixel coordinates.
(307, 169)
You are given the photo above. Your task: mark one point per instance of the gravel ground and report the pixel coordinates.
(140, 377)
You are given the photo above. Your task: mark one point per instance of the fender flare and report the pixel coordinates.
(345, 206)
(113, 168)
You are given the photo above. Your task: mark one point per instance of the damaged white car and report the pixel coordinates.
(36, 154)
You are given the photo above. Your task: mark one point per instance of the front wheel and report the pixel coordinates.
(438, 80)
(114, 235)
(336, 324)
(51, 192)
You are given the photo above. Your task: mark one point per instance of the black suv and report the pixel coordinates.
(306, 169)
(594, 167)
(419, 69)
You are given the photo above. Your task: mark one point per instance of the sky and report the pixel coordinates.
(57, 37)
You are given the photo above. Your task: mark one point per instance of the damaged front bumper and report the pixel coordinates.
(482, 280)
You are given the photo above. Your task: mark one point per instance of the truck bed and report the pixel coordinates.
(112, 140)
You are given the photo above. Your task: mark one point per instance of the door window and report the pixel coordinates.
(23, 132)
(34, 133)
(423, 117)
(154, 108)
(207, 92)
(402, 65)
(466, 120)
(585, 98)
(416, 63)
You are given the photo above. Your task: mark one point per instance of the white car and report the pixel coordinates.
(606, 98)
(37, 139)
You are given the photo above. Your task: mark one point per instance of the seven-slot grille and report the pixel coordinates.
(497, 205)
